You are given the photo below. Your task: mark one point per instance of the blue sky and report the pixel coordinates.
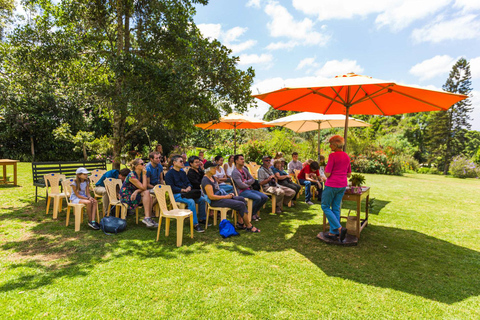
(295, 42)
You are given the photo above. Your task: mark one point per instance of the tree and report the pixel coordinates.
(446, 130)
(6, 10)
(145, 62)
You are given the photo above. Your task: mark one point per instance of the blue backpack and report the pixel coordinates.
(112, 225)
(227, 229)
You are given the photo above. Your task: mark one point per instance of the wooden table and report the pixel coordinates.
(5, 163)
(361, 223)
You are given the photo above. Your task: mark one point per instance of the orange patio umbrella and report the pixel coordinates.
(234, 121)
(356, 94)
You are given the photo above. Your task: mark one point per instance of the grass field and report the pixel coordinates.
(418, 258)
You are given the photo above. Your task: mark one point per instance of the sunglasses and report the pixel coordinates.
(141, 164)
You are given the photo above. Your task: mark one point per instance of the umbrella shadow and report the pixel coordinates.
(403, 260)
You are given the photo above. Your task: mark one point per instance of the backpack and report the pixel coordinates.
(112, 225)
(227, 229)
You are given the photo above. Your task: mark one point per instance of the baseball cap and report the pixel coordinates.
(82, 170)
(266, 158)
(209, 164)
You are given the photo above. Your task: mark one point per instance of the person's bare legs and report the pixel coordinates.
(147, 203)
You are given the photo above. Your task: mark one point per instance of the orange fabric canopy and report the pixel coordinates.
(362, 94)
(234, 121)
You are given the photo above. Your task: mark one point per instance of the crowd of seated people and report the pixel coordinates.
(213, 182)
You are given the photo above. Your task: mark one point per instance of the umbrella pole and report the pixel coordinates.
(318, 142)
(235, 139)
(345, 132)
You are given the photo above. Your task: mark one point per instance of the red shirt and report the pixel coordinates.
(306, 170)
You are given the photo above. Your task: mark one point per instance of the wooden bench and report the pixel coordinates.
(68, 168)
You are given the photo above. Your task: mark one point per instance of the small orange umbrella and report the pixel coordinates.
(234, 121)
(355, 94)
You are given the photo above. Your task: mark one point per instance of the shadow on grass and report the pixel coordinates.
(378, 205)
(402, 260)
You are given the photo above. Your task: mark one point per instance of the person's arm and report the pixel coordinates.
(212, 196)
(142, 186)
(263, 177)
(250, 178)
(237, 179)
(329, 167)
(225, 168)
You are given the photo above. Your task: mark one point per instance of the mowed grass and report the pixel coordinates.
(418, 258)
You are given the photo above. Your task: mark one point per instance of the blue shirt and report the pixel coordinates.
(281, 172)
(154, 173)
(109, 174)
(177, 180)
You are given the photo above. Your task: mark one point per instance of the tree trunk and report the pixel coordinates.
(84, 152)
(118, 138)
(449, 139)
(32, 146)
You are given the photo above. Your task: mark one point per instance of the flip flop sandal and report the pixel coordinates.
(343, 234)
(251, 230)
(241, 226)
(333, 238)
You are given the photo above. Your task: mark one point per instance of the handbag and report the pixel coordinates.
(112, 225)
(192, 194)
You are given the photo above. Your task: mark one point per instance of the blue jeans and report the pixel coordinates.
(308, 193)
(227, 187)
(191, 206)
(331, 202)
(259, 199)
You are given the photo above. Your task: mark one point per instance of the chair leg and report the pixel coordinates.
(56, 201)
(116, 211)
(223, 214)
(274, 204)
(68, 215)
(159, 226)
(191, 226)
(136, 214)
(180, 222)
(60, 204)
(108, 209)
(250, 209)
(78, 212)
(208, 216)
(123, 212)
(167, 226)
(215, 214)
(48, 205)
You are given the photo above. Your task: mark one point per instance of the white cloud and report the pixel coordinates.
(335, 67)
(282, 45)
(253, 3)
(307, 62)
(249, 59)
(283, 24)
(229, 38)
(475, 68)
(461, 28)
(433, 67)
(396, 14)
(405, 12)
(467, 5)
(210, 30)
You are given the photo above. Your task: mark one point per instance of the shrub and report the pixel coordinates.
(461, 167)
(423, 170)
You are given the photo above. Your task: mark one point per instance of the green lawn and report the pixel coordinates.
(418, 258)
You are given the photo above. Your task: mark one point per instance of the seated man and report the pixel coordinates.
(154, 171)
(309, 176)
(100, 185)
(196, 173)
(268, 181)
(177, 179)
(294, 164)
(185, 162)
(244, 180)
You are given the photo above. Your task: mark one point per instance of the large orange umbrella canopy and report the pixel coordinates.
(234, 121)
(356, 94)
(362, 95)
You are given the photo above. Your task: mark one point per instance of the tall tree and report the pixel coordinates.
(144, 61)
(446, 130)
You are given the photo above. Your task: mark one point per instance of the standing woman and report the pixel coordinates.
(221, 177)
(338, 171)
(163, 159)
(229, 166)
(134, 191)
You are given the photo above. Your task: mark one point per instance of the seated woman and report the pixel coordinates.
(229, 166)
(221, 177)
(283, 178)
(220, 198)
(134, 191)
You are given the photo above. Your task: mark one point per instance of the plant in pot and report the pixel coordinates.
(357, 180)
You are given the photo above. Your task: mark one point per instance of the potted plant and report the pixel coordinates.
(357, 180)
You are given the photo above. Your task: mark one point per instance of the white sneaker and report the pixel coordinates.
(150, 222)
(309, 203)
